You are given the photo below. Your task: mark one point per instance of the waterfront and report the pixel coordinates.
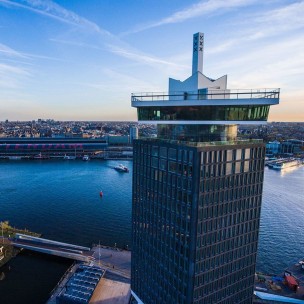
(61, 200)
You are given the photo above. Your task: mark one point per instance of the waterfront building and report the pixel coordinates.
(50, 146)
(273, 147)
(197, 191)
(292, 146)
(133, 133)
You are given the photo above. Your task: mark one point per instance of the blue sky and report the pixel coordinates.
(81, 60)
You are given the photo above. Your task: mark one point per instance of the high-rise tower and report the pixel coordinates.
(197, 191)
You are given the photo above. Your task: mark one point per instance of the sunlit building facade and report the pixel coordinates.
(197, 191)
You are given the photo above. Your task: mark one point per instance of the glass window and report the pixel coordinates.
(154, 163)
(185, 156)
(163, 152)
(163, 164)
(190, 156)
(172, 166)
(238, 154)
(228, 168)
(229, 155)
(155, 151)
(172, 154)
(246, 165)
(237, 167)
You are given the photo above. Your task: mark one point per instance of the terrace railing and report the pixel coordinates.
(210, 94)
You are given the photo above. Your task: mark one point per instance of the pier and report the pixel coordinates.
(70, 251)
(111, 287)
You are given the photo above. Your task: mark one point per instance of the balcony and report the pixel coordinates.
(206, 97)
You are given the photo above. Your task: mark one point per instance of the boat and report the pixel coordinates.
(69, 157)
(285, 164)
(121, 168)
(85, 158)
(14, 157)
(40, 156)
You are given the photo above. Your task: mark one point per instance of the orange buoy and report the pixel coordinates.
(100, 193)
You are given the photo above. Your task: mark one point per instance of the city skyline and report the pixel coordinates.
(74, 61)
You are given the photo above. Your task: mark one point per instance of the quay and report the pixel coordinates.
(99, 275)
(57, 148)
(287, 287)
(7, 250)
(110, 282)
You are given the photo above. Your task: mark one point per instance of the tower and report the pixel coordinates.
(197, 192)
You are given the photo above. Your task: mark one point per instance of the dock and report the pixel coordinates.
(275, 288)
(113, 286)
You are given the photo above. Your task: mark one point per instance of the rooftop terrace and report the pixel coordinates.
(209, 95)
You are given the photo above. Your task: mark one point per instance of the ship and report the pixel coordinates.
(69, 157)
(85, 158)
(121, 168)
(285, 164)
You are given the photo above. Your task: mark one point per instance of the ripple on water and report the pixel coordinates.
(61, 200)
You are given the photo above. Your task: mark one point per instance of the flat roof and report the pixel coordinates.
(111, 291)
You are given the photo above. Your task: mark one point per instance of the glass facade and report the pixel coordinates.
(195, 222)
(201, 113)
(197, 133)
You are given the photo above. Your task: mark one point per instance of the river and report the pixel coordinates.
(60, 199)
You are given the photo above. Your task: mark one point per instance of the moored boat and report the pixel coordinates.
(285, 164)
(85, 158)
(69, 157)
(13, 157)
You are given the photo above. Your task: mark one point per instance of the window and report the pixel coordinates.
(163, 164)
(154, 162)
(172, 166)
(228, 168)
(238, 154)
(172, 154)
(247, 153)
(163, 152)
(229, 155)
(154, 151)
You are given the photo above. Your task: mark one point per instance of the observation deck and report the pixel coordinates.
(207, 97)
(205, 106)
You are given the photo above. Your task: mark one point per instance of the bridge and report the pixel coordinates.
(70, 251)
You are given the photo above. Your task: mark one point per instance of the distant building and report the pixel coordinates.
(118, 140)
(197, 192)
(292, 146)
(273, 147)
(133, 133)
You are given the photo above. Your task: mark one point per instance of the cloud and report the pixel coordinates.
(268, 24)
(113, 43)
(278, 21)
(118, 81)
(7, 51)
(12, 77)
(5, 68)
(279, 64)
(196, 10)
(55, 11)
(140, 57)
(77, 43)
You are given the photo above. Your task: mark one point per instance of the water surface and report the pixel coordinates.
(60, 199)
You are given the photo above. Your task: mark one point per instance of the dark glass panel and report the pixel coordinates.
(202, 113)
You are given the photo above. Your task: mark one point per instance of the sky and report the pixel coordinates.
(81, 60)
